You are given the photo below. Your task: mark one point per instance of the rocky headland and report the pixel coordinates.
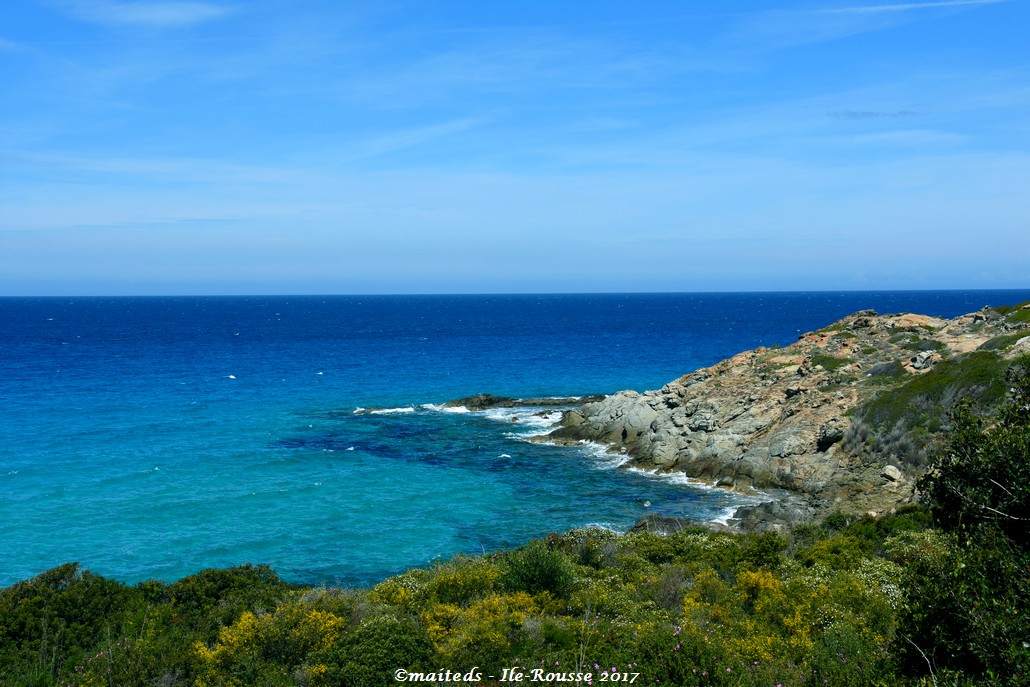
(839, 421)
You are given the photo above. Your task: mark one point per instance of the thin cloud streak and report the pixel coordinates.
(778, 29)
(521, 62)
(160, 15)
(401, 140)
(906, 7)
(866, 115)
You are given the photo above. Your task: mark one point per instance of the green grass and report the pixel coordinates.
(830, 363)
(1022, 316)
(924, 400)
(923, 345)
(1003, 342)
(1015, 313)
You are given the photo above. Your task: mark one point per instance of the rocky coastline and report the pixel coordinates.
(839, 421)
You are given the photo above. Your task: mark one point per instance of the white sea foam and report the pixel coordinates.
(683, 479)
(383, 411)
(674, 477)
(727, 513)
(534, 420)
(597, 450)
(603, 458)
(609, 461)
(438, 408)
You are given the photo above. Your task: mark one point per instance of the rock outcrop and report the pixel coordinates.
(779, 418)
(488, 401)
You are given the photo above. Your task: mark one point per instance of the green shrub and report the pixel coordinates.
(50, 622)
(968, 608)
(1015, 313)
(924, 401)
(594, 548)
(838, 553)
(887, 371)
(214, 598)
(923, 345)
(368, 656)
(876, 531)
(830, 363)
(982, 474)
(1003, 341)
(764, 551)
(461, 580)
(654, 547)
(536, 568)
(971, 605)
(1009, 309)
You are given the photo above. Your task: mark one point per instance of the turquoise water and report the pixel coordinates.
(153, 437)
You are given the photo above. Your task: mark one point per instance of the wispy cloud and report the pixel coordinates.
(160, 15)
(776, 29)
(870, 114)
(401, 140)
(516, 61)
(907, 7)
(910, 138)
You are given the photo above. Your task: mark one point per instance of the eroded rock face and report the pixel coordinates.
(777, 418)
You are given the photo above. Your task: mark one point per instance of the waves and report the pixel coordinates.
(534, 422)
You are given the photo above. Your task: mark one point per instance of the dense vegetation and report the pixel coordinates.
(931, 595)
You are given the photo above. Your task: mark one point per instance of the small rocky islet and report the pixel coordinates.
(841, 420)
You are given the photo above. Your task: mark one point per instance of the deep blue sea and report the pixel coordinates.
(154, 437)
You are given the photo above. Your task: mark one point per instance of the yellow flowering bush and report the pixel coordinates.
(462, 579)
(405, 590)
(283, 637)
(483, 631)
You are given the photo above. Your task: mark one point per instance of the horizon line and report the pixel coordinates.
(513, 293)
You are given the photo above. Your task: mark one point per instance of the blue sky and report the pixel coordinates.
(229, 147)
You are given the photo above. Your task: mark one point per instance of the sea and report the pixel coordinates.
(153, 437)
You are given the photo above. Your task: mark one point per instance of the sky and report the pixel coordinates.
(273, 147)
